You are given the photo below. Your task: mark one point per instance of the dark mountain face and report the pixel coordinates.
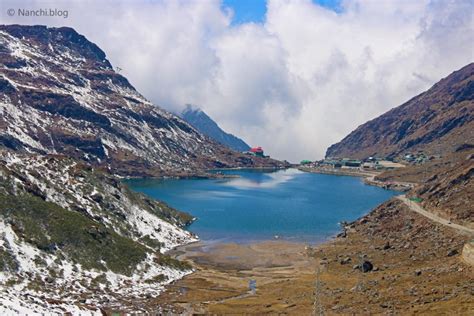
(204, 124)
(437, 121)
(60, 95)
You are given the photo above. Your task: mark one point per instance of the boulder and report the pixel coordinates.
(468, 252)
(345, 260)
(452, 252)
(366, 266)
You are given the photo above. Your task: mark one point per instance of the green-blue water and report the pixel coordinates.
(261, 205)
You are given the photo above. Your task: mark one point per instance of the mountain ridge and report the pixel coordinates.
(60, 95)
(197, 118)
(436, 121)
(439, 124)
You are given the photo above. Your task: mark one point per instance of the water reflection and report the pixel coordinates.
(265, 180)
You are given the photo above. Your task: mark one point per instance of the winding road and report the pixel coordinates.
(417, 208)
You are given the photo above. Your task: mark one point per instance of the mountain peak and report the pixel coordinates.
(206, 125)
(65, 37)
(191, 108)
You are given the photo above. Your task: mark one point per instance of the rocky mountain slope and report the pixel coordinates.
(436, 122)
(60, 95)
(450, 191)
(203, 123)
(73, 238)
(445, 185)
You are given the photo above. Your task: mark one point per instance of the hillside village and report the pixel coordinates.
(370, 163)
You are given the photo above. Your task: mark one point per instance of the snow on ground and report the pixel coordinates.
(74, 281)
(59, 70)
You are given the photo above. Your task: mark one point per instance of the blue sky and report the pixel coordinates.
(254, 10)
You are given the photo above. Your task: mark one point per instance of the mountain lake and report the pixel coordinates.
(261, 205)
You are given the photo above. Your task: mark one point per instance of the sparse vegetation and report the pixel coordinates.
(50, 227)
(169, 261)
(7, 261)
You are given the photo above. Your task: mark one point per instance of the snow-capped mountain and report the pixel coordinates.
(206, 125)
(60, 95)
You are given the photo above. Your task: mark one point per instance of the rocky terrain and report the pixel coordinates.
(60, 95)
(74, 238)
(436, 122)
(444, 185)
(415, 266)
(203, 123)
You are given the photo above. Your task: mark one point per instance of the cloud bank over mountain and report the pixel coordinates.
(294, 84)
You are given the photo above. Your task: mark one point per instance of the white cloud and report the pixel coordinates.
(295, 84)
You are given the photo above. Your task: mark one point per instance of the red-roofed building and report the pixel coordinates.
(257, 151)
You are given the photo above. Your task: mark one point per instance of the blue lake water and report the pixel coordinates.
(291, 204)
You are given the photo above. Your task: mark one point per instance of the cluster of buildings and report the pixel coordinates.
(371, 163)
(418, 157)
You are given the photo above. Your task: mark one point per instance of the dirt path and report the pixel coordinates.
(417, 208)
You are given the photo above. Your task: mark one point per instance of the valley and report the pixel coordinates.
(101, 190)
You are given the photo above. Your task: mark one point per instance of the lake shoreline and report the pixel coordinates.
(205, 174)
(368, 176)
(340, 172)
(404, 250)
(285, 273)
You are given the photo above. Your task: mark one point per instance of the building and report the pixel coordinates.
(369, 165)
(333, 163)
(257, 151)
(351, 163)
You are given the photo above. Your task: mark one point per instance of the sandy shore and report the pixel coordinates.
(417, 268)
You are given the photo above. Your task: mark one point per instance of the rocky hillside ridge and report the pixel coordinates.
(439, 123)
(445, 185)
(73, 238)
(207, 126)
(435, 122)
(450, 192)
(60, 95)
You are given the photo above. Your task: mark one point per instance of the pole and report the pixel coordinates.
(318, 307)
